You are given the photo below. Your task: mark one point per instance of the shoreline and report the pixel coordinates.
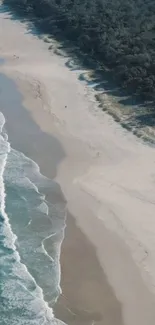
(109, 202)
(76, 305)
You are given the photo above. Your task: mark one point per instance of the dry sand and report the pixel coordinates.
(106, 175)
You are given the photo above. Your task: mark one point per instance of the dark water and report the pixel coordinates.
(29, 277)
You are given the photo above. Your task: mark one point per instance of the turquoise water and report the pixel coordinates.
(29, 277)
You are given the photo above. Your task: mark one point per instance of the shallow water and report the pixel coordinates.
(29, 277)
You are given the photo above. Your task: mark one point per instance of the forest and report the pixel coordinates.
(118, 34)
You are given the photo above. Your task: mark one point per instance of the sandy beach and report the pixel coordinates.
(106, 176)
(86, 294)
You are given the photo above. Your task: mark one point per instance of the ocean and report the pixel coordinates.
(29, 276)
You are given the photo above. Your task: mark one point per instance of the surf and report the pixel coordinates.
(22, 299)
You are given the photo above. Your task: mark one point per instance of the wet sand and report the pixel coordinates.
(87, 297)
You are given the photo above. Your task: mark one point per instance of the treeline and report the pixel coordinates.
(117, 33)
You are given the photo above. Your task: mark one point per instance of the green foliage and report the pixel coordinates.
(117, 33)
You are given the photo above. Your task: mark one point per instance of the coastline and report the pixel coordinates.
(91, 171)
(86, 297)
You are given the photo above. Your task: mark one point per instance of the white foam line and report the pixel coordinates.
(43, 247)
(12, 235)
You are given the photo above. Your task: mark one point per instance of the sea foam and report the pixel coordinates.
(21, 298)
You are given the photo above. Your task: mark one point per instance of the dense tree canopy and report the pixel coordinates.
(117, 33)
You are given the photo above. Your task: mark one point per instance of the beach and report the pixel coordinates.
(102, 182)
